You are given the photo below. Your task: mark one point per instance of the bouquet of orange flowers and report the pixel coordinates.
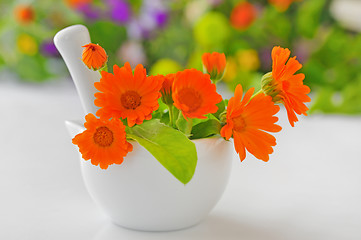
(165, 113)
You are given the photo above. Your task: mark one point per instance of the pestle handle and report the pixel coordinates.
(69, 42)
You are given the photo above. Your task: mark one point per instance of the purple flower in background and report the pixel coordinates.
(141, 27)
(134, 29)
(265, 57)
(161, 18)
(152, 16)
(89, 11)
(48, 49)
(120, 11)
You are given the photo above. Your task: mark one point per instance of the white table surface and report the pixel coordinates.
(310, 188)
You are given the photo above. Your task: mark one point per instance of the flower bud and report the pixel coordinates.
(94, 56)
(166, 89)
(214, 64)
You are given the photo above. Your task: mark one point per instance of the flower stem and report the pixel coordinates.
(189, 127)
(260, 91)
(171, 115)
(105, 68)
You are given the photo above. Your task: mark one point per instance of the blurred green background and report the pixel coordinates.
(168, 36)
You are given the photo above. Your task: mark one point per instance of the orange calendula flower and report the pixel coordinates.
(194, 94)
(248, 120)
(243, 15)
(286, 87)
(214, 64)
(94, 56)
(166, 89)
(24, 14)
(103, 141)
(127, 96)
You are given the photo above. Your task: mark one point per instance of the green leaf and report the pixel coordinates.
(221, 107)
(170, 147)
(181, 123)
(206, 129)
(165, 118)
(161, 113)
(162, 105)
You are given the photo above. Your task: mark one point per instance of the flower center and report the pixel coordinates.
(239, 124)
(103, 137)
(130, 100)
(191, 98)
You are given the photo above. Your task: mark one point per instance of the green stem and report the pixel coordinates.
(260, 91)
(171, 115)
(176, 114)
(189, 126)
(105, 68)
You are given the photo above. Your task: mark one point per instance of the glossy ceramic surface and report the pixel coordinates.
(141, 194)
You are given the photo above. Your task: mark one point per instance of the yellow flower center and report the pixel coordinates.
(191, 98)
(130, 100)
(239, 125)
(103, 137)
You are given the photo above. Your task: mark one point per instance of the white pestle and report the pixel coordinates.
(69, 42)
